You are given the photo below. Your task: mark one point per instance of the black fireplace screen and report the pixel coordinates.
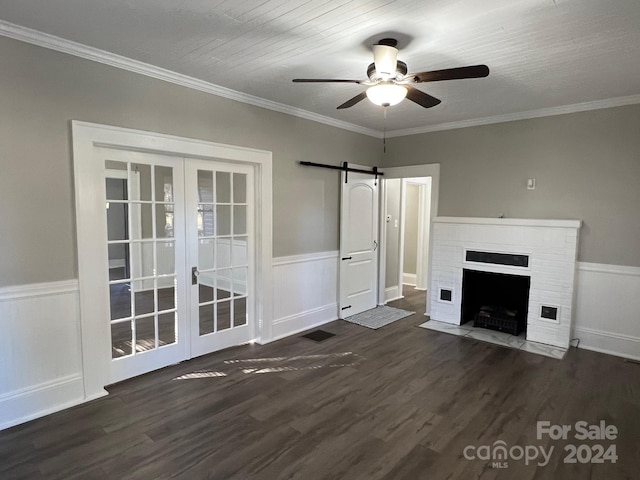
(495, 300)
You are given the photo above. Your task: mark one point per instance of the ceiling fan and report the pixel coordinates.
(388, 82)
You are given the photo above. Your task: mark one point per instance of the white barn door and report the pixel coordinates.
(358, 243)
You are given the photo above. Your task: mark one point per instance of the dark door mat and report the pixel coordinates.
(318, 335)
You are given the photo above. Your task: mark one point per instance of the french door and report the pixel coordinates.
(220, 228)
(180, 250)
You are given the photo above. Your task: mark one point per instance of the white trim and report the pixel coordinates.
(423, 227)
(69, 47)
(305, 292)
(89, 198)
(306, 257)
(293, 324)
(392, 293)
(409, 279)
(611, 269)
(431, 170)
(333, 307)
(39, 400)
(403, 219)
(606, 298)
(614, 342)
(520, 222)
(38, 290)
(512, 117)
(58, 44)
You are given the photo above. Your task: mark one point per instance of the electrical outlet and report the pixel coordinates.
(531, 184)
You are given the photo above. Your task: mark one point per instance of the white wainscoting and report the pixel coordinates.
(607, 317)
(40, 363)
(305, 292)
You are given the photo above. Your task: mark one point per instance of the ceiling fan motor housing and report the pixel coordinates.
(401, 70)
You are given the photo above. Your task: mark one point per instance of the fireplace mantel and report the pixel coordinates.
(521, 222)
(550, 248)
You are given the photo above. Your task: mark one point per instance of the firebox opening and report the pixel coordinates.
(496, 301)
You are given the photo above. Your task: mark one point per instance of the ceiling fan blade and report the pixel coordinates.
(474, 71)
(351, 102)
(323, 80)
(423, 99)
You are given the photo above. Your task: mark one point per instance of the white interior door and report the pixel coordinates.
(358, 244)
(146, 250)
(220, 230)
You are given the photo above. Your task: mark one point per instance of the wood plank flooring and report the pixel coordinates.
(396, 403)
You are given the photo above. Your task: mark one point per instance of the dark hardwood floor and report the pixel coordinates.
(396, 403)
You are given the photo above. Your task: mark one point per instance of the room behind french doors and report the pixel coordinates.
(180, 249)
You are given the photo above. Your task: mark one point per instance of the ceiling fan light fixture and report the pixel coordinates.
(386, 94)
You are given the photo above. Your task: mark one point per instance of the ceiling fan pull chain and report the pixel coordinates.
(384, 131)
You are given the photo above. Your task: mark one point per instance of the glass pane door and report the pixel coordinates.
(219, 216)
(145, 225)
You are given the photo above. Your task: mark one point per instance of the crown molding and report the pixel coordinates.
(52, 42)
(511, 117)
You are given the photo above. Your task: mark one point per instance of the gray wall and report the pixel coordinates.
(410, 259)
(41, 91)
(393, 233)
(586, 165)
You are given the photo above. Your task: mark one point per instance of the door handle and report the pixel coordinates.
(347, 258)
(194, 275)
(375, 245)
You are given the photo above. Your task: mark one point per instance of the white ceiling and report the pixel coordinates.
(542, 54)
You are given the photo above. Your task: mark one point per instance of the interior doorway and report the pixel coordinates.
(407, 228)
(409, 202)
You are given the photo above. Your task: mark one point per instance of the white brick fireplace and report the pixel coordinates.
(544, 250)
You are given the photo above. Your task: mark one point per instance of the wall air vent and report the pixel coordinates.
(446, 295)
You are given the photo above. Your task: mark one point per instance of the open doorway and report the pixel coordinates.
(409, 202)
(407, 225)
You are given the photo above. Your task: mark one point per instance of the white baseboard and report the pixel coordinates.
(607, 309)
(391, 294)
(40, 400)
(609, 343)
(302, 321)
(410, 279)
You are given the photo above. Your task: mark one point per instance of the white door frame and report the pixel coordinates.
(88, 139)
(427, 170)
(424, 203)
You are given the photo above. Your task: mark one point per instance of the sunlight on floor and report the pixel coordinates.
(200, 374)
(251, 366)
